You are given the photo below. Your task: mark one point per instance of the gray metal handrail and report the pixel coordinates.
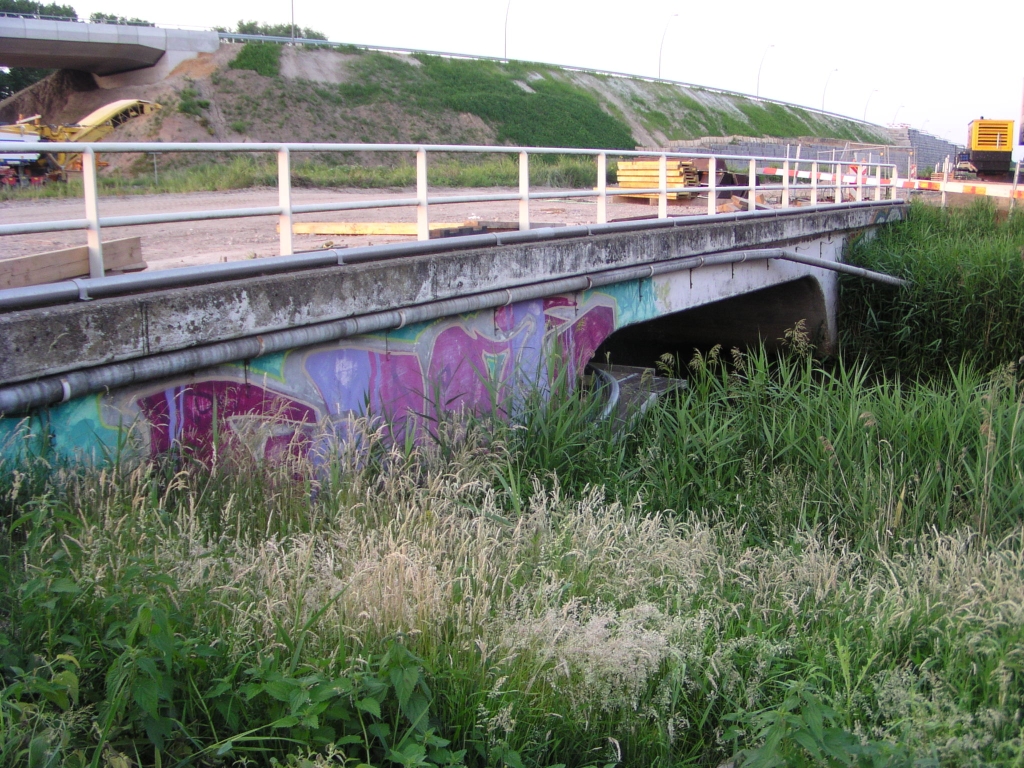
(884, 174)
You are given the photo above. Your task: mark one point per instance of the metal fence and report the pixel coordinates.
(820, 181)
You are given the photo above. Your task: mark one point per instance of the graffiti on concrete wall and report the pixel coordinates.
(482, 361)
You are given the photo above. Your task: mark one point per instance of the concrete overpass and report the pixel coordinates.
(401, 330)
(102, 49)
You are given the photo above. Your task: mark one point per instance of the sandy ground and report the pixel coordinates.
(204, 242)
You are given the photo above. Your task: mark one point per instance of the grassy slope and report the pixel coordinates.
(382, 92)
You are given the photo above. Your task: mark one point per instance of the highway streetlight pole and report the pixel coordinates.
(662, 46)
(901, 106)
(757, 92)
(508, 8)
(868, 102)
(826, 88)
(293, 23)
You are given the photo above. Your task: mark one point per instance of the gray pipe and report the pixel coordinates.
(850, 269)
(613, 392)
(120, 285)
(19, 398)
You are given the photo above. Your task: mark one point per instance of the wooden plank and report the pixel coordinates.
(52, 266)
(360, 228)
(758, 203)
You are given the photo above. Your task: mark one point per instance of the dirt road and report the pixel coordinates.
(205, 242)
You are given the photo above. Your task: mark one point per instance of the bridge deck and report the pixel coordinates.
(103, 49)
(312, 305)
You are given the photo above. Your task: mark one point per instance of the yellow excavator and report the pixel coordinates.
(36, 168)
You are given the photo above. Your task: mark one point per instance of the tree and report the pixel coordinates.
(278, 30)
(110, 18)
(38, 9)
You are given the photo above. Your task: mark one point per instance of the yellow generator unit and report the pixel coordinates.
(990, 146)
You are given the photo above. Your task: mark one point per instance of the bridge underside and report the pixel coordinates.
(757, 318)
(98, 58)
(411, 362)
(102, 49)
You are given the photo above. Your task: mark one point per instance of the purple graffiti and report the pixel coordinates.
(481, 362)
(579, 335)
(202, 413)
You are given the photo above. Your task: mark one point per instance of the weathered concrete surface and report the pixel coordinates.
(54, 340)
(103, 49)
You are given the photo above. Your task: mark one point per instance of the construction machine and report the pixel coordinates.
(42, 166)
(989, 152)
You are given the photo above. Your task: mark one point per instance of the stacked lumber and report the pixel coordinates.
(643, 173)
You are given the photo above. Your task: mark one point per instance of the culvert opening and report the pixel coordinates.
(746, 321)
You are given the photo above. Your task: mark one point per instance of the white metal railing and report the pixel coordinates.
(822, 181)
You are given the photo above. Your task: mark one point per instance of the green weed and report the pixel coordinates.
(262, 58)
(964, 303)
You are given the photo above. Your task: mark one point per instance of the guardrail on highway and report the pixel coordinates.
(821, 181)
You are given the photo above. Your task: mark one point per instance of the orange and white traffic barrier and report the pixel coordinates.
(848, 178)
(988, 189)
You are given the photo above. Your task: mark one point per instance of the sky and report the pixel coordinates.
(929, 65)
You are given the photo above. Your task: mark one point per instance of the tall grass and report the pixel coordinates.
(966, 267)
(788, 563)
(797, 444)
(544, 592)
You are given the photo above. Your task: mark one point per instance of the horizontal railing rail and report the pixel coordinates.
(820, 180)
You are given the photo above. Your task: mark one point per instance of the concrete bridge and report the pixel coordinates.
(102, 49)
(273, 351)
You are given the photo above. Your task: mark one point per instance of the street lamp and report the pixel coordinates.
(662, 46)
(757, 92)
(868, 102)
(508, 7)
(826, 88)
(293, 23)
(897, 113)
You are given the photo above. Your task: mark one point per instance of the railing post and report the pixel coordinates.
(878, 180)
(422, 219)
(284, 199)
(794, 190)
(838, 170)
(524, 191)
(945, 179)
(1013, 189)
(602, 188)
(92, 213)
(814, 182)
(752, 186)
(712, 187)
(860, 181)
(662, 187)
(785, 183)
